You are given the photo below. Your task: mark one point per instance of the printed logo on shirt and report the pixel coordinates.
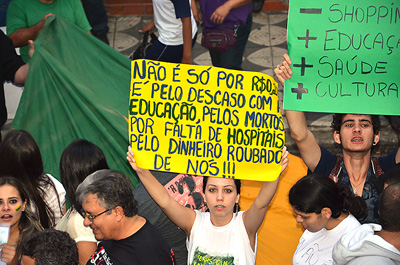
(311, 254)
(201, 258)
(100, 257)
(188, 191)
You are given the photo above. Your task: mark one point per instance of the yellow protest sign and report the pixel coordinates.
(205, 120)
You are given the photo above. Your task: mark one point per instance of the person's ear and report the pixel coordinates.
(326, 212)
(376, 138)
(119, 213)
(23, 205)
(336, 137)
(237, 198)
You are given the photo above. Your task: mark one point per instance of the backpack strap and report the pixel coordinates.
(334, 175)
(377, 167)
(375, 177)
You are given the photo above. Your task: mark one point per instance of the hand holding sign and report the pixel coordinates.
(283, 70)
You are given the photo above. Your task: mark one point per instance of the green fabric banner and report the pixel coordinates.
(77, 87)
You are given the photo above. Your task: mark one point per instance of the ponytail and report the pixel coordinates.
(352, 203)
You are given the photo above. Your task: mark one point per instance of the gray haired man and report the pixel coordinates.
(109, 208)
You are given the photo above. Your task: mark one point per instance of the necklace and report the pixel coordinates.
(355, 186)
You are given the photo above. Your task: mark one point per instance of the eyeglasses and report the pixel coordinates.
(91, 217)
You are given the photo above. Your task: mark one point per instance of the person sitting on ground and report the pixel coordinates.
(177, 31)
(12, 69)
(223, 233)
(357, 134)
(26, 18)
(79, 159)
(21, 158)
(16, 214)
(372, 244)
(49, 247)
(327, 211)
(109, 208)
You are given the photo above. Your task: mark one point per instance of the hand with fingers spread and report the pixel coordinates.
(283, 70)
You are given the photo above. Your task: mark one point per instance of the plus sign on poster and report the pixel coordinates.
(345, 56)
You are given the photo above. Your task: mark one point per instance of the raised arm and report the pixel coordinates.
(305, 140)
(254, 216)
(180, 215)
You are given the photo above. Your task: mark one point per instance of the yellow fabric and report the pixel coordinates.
(279, 234)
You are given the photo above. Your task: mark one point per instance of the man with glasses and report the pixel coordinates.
(109, 208)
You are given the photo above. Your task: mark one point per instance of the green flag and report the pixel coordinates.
(77, 87)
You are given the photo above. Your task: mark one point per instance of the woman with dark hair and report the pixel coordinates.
(16, 213)
(21, 158)
(223, 234)
(327, 211)
(79, 159)
(238, 184)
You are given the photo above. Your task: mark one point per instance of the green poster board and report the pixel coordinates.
(345, 56)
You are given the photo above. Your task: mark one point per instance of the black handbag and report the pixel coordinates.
(141, 51)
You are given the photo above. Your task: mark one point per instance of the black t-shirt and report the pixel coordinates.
(150, 210)
(10, 62)
(187, 190)
(145, 247)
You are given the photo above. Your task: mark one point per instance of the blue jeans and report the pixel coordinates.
(167, 53)
(3, 11)
(96, 15)
(232, 58)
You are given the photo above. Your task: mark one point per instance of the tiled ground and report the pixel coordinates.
(267, 41)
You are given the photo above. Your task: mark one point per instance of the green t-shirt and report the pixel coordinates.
(26, 13)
